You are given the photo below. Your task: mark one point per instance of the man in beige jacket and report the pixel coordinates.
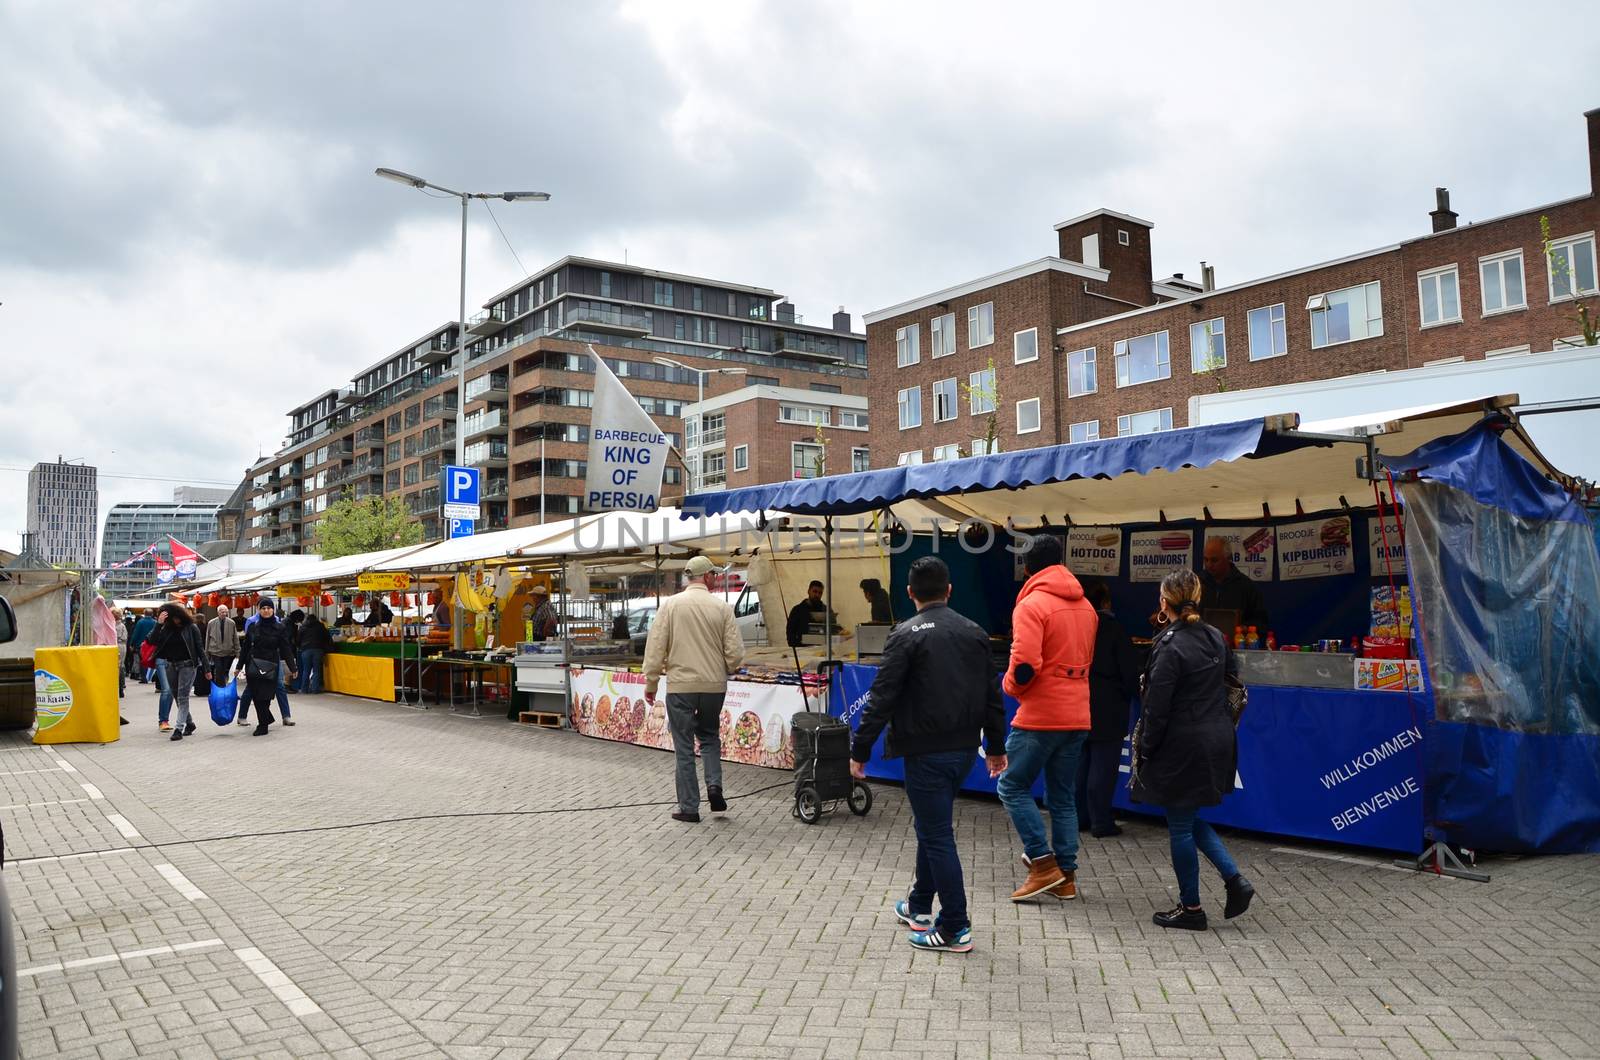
(695, 641)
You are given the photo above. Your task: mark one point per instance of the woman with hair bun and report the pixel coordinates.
(1185, 753)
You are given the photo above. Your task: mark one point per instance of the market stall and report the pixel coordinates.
(1334, 746)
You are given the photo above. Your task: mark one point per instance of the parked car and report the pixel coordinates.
(746, 615)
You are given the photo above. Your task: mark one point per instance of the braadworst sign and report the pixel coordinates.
(375, 581)
(1315, 548)
(1250, 548)
(1094, 550)
(1154, 554)
(627, 451)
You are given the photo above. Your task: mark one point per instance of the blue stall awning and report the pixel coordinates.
(1110, 458)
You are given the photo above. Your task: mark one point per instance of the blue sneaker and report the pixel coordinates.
(914, 921)
(937, 939)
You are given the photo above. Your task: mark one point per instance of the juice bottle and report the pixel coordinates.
(1252, 639)
(1238, 636)
(1272, 641)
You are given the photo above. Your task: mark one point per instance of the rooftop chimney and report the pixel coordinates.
(1208, 277)
(1444, 218)
(841, 321)
(1593, 117)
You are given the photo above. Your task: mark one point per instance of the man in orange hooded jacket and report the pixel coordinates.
(1052, 646)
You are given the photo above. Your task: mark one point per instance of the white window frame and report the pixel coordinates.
(941, 453)
(952, 407)
(1089, 361)
(1435, 275)
(1016, 357)
(1457, 359)
(860, 454)
(982, 447)
(1509, 351)
(981, 392)
(1123, 238)
(1367, 290)
(794, 453)
(1122, 357)
(909, 458)
(1277, 323)
(1500, 261)
(1550, 267)
(1091, 435)
(974, 324)
(1216, 338)
(741, 458)
(909, 408)
(1125, 421)
(942, 335)
(1038, 423)
(908, 345)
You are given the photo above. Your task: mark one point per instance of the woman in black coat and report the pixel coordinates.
(1185, 753)
(265, 646)
(1113, 681)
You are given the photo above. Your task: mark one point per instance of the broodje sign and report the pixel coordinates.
(1094, 550)
(1154, 554)
(1315, 548)
(1250, 548)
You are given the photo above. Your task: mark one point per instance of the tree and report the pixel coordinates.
(991, 395)
(369, 525)
(820, 461)
(1561, 269)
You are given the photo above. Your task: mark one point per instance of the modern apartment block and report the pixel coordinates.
(63, 512)
(769, 433)
(530, 381)
(1087, 344)
(132, 527)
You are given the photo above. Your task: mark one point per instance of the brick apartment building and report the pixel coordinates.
(764, 433)
(529, 380)
(1087, 344)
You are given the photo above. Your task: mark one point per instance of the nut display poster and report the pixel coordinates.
(1251, 548)
(1095, 550)
(1154, 554)
(1315, 548)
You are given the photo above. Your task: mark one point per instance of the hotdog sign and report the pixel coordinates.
(1250, 548)
(1154, 554)
(1315, 548)
(1094, 550)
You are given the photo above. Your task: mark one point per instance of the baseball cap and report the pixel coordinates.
(699, 566)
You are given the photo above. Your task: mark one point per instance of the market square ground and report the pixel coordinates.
(579, 931)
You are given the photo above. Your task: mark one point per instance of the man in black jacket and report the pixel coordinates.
(936, 690)
(1113, 682)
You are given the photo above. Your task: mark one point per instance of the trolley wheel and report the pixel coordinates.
(860, 799)
(808, 805)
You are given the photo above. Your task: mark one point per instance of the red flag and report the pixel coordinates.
(184, 558)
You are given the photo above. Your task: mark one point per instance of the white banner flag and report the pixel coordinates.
(627, 451)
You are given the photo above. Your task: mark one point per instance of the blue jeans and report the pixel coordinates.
(1189, 833)
(310, 671)
(283, 699)
(932, 781)
(164, 682)
(1028, 752)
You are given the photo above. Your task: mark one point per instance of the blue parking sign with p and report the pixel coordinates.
(460, 485)
(461, 527)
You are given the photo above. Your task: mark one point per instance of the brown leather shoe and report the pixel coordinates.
(1067, 889)
(1042, 875)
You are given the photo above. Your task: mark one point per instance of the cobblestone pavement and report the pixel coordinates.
(578, 930)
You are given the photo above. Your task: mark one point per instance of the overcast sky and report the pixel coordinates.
(192, 240)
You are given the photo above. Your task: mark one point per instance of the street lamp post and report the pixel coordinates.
(700, 397)
(461, 325)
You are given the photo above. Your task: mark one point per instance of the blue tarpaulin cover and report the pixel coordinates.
(1506, 584)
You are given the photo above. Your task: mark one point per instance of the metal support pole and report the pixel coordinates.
(458, 632)
(541, 479)
(827, 574)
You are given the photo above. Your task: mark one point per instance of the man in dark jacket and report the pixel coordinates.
(1226, 588)
(808, 612)
(266, 651)
(1113, 682)
(136, 638)
(936, 691)
(314, 644)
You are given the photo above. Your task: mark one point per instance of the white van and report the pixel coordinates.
(746, 615)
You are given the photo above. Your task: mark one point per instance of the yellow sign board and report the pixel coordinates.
(377, 581)
(299, 589)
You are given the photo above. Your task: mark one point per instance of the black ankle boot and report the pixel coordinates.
(1240, 891)
(1182, 917)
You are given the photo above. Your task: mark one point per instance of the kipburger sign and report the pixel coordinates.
(1315, 548)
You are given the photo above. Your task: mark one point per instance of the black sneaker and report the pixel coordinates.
(177, 734)
(1179, 917)
(1107, 833)
(1240, 891)
(687, 818)
(714, 797)
(188, 730)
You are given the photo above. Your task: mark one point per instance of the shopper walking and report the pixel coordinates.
(695, 643)
(315, 642)
(122, 653)
(265, 653)
(1113, 680)
(222, 643)
(180, 654)
(1052, 646)
(1185, 752)
(936, 692)
(141, 632)
(282, 690)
